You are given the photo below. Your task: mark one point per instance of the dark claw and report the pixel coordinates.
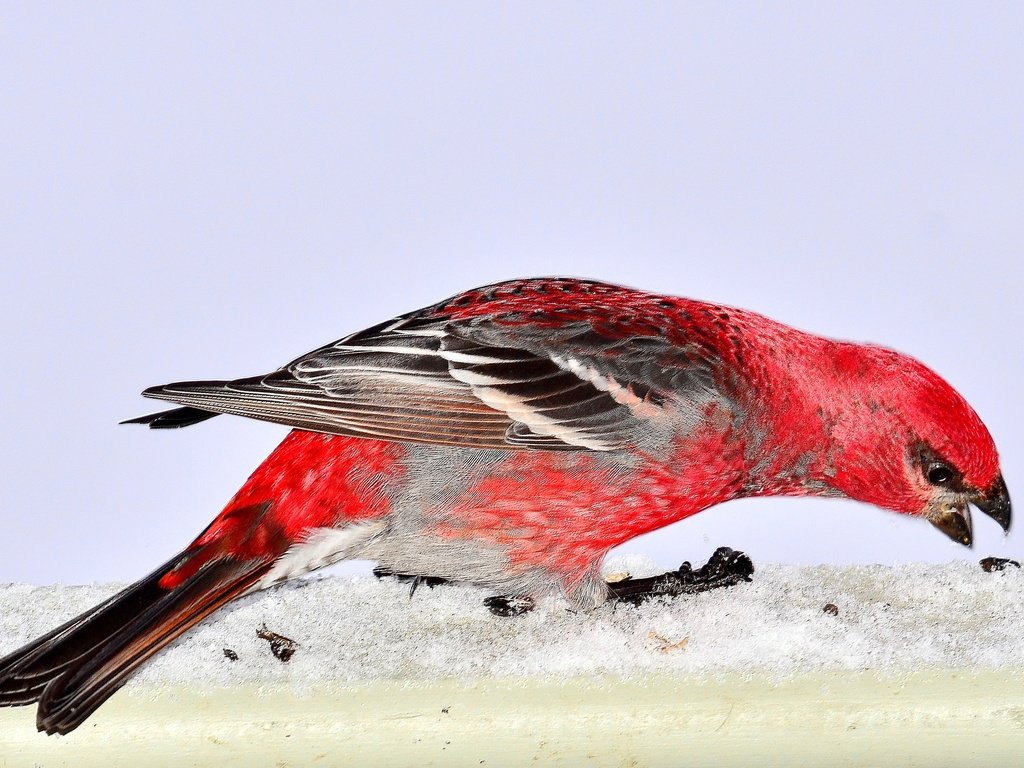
(725, 568)
(500, 605)
(430, 581)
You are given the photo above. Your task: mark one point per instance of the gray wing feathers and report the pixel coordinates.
(469, 383)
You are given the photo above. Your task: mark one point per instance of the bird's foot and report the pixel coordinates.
(416, 579)
(502, 605)
(725, 568)
(499, 605)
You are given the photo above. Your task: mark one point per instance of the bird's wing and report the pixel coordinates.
(473, 381)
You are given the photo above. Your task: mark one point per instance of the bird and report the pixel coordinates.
(509, 437)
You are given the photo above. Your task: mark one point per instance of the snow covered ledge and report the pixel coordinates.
(917, 665)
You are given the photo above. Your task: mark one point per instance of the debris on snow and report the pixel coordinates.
(282, 647)
(667, 646)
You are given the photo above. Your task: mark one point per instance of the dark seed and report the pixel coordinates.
(990, 564)
(831, 609)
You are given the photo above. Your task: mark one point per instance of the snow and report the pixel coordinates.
(358, 629)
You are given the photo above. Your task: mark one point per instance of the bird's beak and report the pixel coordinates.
(995, 503)
(953, 519)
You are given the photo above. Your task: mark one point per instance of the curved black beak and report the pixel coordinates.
(996, 503)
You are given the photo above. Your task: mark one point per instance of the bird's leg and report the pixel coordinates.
(499, 605)
(725, 568)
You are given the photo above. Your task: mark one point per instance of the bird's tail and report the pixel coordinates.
(176, 418)
(76, 667)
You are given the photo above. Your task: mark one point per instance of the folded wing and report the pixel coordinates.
(475, 382)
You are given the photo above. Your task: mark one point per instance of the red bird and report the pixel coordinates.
(512, 435)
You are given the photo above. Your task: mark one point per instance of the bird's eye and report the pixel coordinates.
(939, 474)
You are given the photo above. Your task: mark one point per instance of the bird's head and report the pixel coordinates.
(906, 440)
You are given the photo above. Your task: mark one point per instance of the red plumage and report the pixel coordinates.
(511, 436)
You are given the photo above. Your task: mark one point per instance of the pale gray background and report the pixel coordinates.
(192, 192)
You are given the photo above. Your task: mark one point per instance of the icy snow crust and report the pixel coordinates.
(353, 630)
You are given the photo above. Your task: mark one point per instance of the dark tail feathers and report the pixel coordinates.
(76, 667)
(173, 419)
